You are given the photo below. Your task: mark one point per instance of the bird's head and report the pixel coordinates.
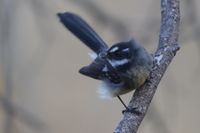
(110, 63)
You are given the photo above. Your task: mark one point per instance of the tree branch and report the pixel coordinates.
(167, 48)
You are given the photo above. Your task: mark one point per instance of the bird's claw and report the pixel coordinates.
(132, 110)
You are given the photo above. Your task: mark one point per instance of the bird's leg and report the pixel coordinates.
(122, 102)
(133, 110)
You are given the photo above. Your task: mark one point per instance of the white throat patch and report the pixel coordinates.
(114, 49)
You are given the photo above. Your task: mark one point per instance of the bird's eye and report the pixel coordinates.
(117, 54)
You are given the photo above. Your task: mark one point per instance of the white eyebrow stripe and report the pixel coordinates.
(115, 63)
(126, 49)
(114, 49)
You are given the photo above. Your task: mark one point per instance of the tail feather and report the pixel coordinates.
(83, 31)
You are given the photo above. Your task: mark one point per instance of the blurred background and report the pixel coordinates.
(41, 90)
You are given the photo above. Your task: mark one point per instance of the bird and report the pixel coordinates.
(121, 68)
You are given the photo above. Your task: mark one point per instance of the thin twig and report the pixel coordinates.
(7, 57)
(167, 48)
(22, 114)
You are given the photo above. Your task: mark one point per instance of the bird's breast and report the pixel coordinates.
(135, 77)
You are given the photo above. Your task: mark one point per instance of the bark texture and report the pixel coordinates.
(167, 48)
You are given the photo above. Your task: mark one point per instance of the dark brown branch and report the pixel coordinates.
(167, 48)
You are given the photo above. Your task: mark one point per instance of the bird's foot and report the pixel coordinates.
(132, 110)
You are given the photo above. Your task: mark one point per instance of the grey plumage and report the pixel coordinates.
(123, 67)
